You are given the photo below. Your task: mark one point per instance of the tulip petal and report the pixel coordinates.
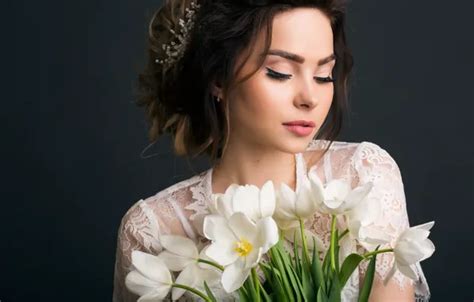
(337, 189)
(224, 206)
(267, 233)
(153, 296)
(246, 200)
(282, 214)
(187, 277)
(179, 245)
(287, 224)
(174, 262)
(252, 259)
(317, 187)
(305, 205)
(333, 204)
(242, 226)
(212, 277)
(407, 253)
(139, 284)
(408, 271)
(427, 248)
(414, 234)
(222, 252)
(287, 198)
(234, 276)
(224, 201)
(151, 267)
(357, 195)
(216, 228)
(267, 199)
(425, 226)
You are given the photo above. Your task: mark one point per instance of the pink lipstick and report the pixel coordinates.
(300, 127)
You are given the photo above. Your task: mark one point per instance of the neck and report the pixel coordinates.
(243, 165)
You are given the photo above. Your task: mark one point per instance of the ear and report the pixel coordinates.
(217, 90)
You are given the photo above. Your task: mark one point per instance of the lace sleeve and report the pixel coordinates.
(137, 231)
(373, 163)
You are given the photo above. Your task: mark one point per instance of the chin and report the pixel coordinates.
(296, 145)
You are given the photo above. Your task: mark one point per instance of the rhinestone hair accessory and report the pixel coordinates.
(175, 49)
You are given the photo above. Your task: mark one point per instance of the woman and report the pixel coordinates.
(260, 87)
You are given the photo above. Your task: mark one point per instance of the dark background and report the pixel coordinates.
(73, 138)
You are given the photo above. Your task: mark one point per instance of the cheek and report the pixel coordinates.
(259, 99)
(325, 102)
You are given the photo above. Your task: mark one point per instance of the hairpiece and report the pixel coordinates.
(175, 49)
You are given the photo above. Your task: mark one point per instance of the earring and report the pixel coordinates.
(218, 99)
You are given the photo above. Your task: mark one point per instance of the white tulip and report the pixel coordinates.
(293, 206)
(151, 279)
(359, 211)
(238, 244)
(181, 254)
(411, 246)
(337, 197)
(255, 202)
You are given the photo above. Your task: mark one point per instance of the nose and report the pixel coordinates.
(306, 99)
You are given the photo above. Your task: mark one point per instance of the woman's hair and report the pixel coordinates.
(179, 101)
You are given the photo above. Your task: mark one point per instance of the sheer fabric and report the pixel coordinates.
(180, 208)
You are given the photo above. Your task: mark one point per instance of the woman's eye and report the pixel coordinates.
(282, 77)
(276, 75)
(325, 80)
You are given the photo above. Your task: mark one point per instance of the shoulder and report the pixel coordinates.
(159, 209)
(339, 152)
(370, 157)
(359, 157)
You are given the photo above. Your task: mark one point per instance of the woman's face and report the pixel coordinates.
(259, 107)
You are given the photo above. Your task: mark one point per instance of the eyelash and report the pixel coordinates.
(282, 77)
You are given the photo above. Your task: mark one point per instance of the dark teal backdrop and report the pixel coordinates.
(72, 138)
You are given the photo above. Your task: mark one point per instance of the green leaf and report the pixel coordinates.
(297, 281)
(209, 292)
(326, 269)
(251, 288)
(255, 282)
(348, 267)
(368, 280)
(264, 294)
(316, 270)
(308, 292)
(326, 262)
(297, 258)
(243, 296)
(286, 271)
(335, 291)
(279, 293)
(322, 296)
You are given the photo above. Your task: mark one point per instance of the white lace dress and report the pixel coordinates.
(179, 209)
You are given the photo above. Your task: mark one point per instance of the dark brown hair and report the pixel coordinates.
(179, 101)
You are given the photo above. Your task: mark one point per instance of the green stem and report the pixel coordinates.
(256, 283)
(193, 290)
(303, 239)
(220, 267)
(343, 234)
(377, 252)
(333, 242)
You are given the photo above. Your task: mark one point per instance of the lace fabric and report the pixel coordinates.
(180, 209)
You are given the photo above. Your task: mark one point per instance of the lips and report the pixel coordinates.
(302, 123)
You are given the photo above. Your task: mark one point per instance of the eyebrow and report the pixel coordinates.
(297, 58)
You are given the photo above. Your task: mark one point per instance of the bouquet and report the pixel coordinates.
(260, 250)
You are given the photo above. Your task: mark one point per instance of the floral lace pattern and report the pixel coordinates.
(180, 208)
